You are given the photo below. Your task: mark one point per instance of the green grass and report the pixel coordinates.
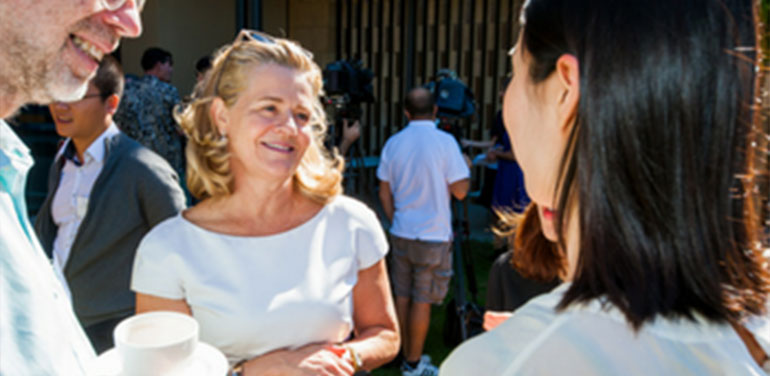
(483, 255)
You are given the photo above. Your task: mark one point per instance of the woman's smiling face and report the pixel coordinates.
(268, 127)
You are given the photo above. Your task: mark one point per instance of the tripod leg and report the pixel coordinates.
(467, 256)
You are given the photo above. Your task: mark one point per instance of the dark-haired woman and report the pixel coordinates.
(631, 119)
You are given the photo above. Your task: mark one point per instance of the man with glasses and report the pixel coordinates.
(49, 49)
(105, 192)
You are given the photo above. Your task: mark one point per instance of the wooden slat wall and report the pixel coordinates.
(406, 41)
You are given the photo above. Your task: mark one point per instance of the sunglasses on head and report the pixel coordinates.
(245, 35)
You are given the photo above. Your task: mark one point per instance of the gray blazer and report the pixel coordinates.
(135, 190)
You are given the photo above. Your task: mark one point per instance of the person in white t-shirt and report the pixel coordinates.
(420, 168)
(283, 273)
(631, 125)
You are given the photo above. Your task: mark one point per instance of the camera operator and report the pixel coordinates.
(347, 85)
(350, 133)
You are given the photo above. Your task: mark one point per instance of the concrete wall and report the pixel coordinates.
(188, 29)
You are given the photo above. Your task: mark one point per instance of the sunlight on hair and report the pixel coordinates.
(319, 174)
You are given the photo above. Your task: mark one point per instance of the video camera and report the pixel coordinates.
(454, 100)
(347, 85)
(452, 96)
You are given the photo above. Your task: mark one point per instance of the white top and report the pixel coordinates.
(252, 295)
(70, 202)
(590, 340)
(419, 163)
(39, 333)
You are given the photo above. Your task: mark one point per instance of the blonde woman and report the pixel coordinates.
(283, 273)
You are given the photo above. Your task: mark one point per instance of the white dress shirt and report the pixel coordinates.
(70, 203)
(419, 163)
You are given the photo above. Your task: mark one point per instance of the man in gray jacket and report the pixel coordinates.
(105, 192)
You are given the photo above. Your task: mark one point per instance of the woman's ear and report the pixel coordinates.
(568, 74)
(219, 115)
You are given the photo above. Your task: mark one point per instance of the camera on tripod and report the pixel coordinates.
(347, 85)
(454, 100)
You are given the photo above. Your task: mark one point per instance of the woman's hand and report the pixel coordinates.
(316, 359)
(494, 318)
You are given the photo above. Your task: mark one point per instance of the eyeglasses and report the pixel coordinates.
(79, 100)
(113, 5)
(90, 96)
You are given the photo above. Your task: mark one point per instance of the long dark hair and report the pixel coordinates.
(661, 159)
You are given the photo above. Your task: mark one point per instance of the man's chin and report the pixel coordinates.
(63, 87)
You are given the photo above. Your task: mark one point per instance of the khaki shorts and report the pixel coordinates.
(420, 270)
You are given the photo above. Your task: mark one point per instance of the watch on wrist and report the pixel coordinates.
(355, 359)
(237, 369)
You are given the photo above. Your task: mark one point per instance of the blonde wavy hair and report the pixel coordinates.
(319, 174)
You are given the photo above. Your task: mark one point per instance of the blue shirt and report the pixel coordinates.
(39, 334)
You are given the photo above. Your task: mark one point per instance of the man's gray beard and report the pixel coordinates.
(61, 85)
(46, 78)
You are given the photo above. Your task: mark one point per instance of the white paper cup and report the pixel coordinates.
(155, 343)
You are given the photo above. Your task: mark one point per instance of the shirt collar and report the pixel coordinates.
(96, 151)
(429, 123)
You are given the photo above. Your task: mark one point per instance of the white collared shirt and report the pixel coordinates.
(70, 202)
(419, 163)
(39, 333)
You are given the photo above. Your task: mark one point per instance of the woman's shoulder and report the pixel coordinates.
(587, 339)
(168, 226)
(346, 207)
(525, 344)
(533, 330)
(175, 230)
(346, 202)
(493, 352)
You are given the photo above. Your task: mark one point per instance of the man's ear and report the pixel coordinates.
(111, 104)
(219, 115)
(568, 74)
